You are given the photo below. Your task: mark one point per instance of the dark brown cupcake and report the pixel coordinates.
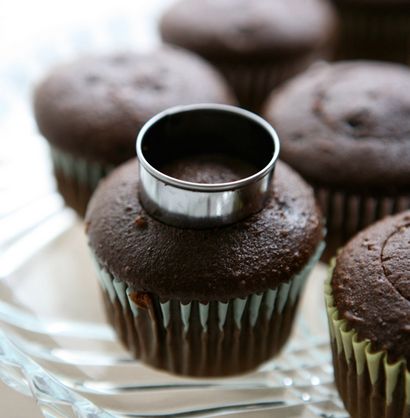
(255, 44)
(203, 302)
(90, 111)
(346, 129)
(374, 29)
(368, 303)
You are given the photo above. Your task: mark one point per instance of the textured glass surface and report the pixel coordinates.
(56, 345)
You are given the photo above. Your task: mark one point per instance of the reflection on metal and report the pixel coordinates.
(205, 128)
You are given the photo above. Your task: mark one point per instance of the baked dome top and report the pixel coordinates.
(250, 256)
(230, 28)
(371, 285)
(93, 107)
(346, 124)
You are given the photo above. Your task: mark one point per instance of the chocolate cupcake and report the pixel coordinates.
(189, 287)
(374, 29)
(368, 305)
(255, 44)
(90, 110)
(346, 128)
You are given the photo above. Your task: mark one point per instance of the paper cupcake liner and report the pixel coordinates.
(76, 178)
(368, 384)
(203, 339)
(348, 213)
(380, 33)
(253, 82)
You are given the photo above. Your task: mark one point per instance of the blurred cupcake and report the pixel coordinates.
(374, 29)
(346, 128)
(368, 306)
(90, 110)
(203, 300)
(255, 44)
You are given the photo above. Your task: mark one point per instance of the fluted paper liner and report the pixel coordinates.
(253, 81)
(369, 385)
(204, 339)
(347, 213)
(77, 178)
(375, 33)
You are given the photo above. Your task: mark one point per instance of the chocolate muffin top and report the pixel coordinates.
(209, 169)
(346, 125)
(371, 285)
(94, 107)
(250, 256)
(240, 28)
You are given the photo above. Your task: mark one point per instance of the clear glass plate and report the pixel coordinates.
(55, 344)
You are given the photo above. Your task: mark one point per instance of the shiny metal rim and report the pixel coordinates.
(200, 186)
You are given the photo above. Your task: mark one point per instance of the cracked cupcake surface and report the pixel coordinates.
(371, 285)
(249, 256)
(346, 124)
(203, 302)
(345, 127)
(368, 307)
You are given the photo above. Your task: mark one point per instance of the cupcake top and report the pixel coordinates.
(94, 107)
(347, 124)
(250, 256)
(238, 28)
(371, 285)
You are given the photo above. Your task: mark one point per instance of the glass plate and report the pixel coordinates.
(55, 344)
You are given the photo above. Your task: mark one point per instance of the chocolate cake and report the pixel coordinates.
(203, 302)
(255, 44)
(90, 110)
(369, 309)
(345, 128)
(209, 169)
